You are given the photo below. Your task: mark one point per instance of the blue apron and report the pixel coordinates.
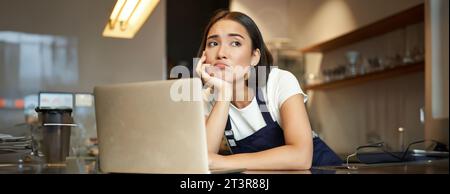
(271, 136)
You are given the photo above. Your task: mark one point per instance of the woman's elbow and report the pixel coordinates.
(302, 161)
(305, 164)
(302, 164)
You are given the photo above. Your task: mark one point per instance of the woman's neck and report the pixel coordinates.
(242, 95)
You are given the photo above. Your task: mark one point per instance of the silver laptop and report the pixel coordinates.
(152, 127)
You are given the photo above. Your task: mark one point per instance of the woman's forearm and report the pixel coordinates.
(217, 119)
(287, 157)
(215, 125)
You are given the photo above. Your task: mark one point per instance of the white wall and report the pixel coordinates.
(270, 16)
(308, 22)
(315, 21)
(436, 77)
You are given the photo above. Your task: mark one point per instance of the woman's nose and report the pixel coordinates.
(222, 53)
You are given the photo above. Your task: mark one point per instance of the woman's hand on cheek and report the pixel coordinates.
(223, 90)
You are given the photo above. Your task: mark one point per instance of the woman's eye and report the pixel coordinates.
(211, 44)
(235, 44)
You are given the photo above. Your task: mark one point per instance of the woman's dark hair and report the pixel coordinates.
(266, 59)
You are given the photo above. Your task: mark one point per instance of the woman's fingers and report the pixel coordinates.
(200, 63)
(202, 69)
(205, 75)
(208, 77)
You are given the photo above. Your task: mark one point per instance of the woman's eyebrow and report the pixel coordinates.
(213, 36)
(235, 34)
(230, 34)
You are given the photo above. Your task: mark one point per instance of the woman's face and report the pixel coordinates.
(229, 51)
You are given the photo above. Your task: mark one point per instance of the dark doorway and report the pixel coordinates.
(186, 20)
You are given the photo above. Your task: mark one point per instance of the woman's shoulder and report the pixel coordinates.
(282, 84)
(280, 76)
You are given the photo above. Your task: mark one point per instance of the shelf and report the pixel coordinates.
(408, 17)
(385, 74)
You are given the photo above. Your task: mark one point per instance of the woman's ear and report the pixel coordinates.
(256, 56)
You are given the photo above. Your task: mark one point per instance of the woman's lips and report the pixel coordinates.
(220, 65)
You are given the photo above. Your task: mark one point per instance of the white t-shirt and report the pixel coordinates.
(280, 86)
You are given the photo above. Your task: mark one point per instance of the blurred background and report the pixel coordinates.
(374, 70)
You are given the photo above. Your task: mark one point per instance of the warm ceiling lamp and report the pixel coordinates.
(127, 17)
